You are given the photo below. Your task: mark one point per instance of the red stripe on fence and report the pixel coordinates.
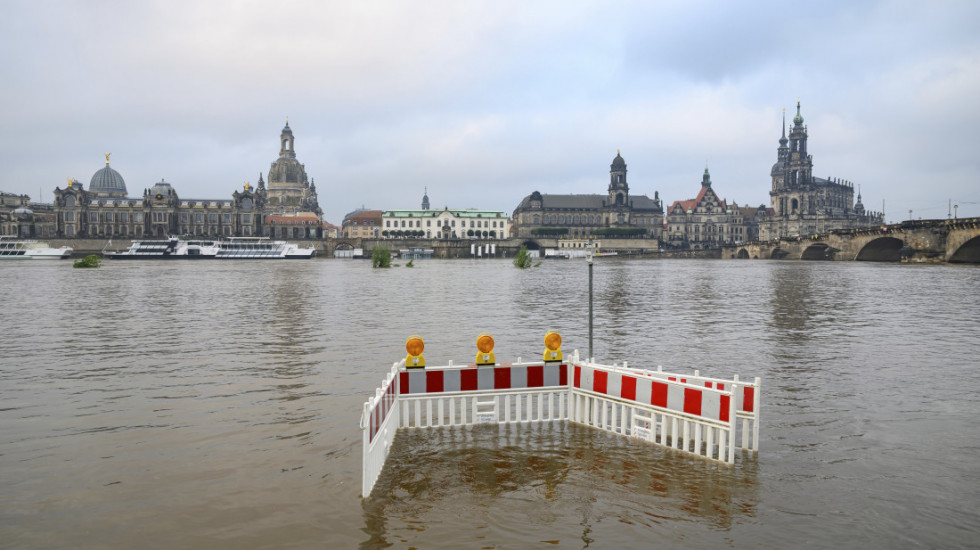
(708, 385)
(692, 401)
(748, 402)
(563, 375)
(600, 381)
(468, 380)
(501, 378)
(658, 396)
(629, 388)
(433, 381)
(535, 376)
(578, 376)
(726, 401)
(403, 386)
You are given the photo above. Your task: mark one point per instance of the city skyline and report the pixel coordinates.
(483, 103)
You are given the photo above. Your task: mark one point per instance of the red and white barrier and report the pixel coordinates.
(689, 413)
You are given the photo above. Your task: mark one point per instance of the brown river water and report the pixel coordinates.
(216, 405)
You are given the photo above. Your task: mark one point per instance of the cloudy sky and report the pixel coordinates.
(485, 102)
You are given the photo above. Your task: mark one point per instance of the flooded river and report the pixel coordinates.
(216, 405)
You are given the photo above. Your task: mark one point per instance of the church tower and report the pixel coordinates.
(288, 186)
(619, 190)
(425, 199)
(800, 163)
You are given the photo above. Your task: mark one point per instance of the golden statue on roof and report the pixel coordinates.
(246, 186)
(107, 158)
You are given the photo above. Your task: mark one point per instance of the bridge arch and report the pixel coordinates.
(882, 249)
(967, 253)
(778, 254)
(743, 254)
(344, 245)
(818, 251)
(531, 245)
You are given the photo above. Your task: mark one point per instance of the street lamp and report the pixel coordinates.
(955, 207)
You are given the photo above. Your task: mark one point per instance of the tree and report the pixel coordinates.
(523, 258)
(380, 257)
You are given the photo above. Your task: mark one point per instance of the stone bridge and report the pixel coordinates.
(922, 241)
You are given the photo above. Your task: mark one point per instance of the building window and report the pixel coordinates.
(108, 216)
(246, 218)
(226, 218)
(69, 216)
(93, 217)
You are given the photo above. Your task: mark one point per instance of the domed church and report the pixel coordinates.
(289, 189)
(105, 210)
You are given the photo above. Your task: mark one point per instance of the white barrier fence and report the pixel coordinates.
(685, 412)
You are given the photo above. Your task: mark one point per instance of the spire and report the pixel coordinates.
(798, 119)
(706, 178)
(261, 182)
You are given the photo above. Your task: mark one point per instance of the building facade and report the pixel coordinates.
(802, 204)
(445, 224)
(362, 224)
(706, 221)
(617, 213)
(105, 209)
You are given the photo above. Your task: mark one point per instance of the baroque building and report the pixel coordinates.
(289, 189)
(617, 213)
(802, 204)
(105, 209)
(707, 221)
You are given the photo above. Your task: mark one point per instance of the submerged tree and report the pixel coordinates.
(523, 258)
(380, 257)
(92, 260)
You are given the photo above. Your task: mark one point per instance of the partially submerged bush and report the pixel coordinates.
(92, 260)
(380, 257)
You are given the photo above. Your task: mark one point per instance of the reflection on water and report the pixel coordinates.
(216, 404)
(561, 483)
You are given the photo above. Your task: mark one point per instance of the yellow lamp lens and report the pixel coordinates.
(552, 340)
(414, 345)
(484, 343)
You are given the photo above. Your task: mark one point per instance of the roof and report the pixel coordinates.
(468, 213)
(583, 202)
(363, 215)
(691, 204)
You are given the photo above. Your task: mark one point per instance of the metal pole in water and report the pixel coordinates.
(589, 260)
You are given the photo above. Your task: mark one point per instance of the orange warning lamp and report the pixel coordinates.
(484, 347)
(552, 346)
(414, 346)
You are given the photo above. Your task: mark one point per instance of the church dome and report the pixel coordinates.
(618, 162)
(798, 119)
(107, 181)
(777, 169)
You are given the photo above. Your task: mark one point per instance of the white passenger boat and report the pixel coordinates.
(15, 248)
(234, 248)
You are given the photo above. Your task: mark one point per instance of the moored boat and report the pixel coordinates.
(15, 248)
(234, 248)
